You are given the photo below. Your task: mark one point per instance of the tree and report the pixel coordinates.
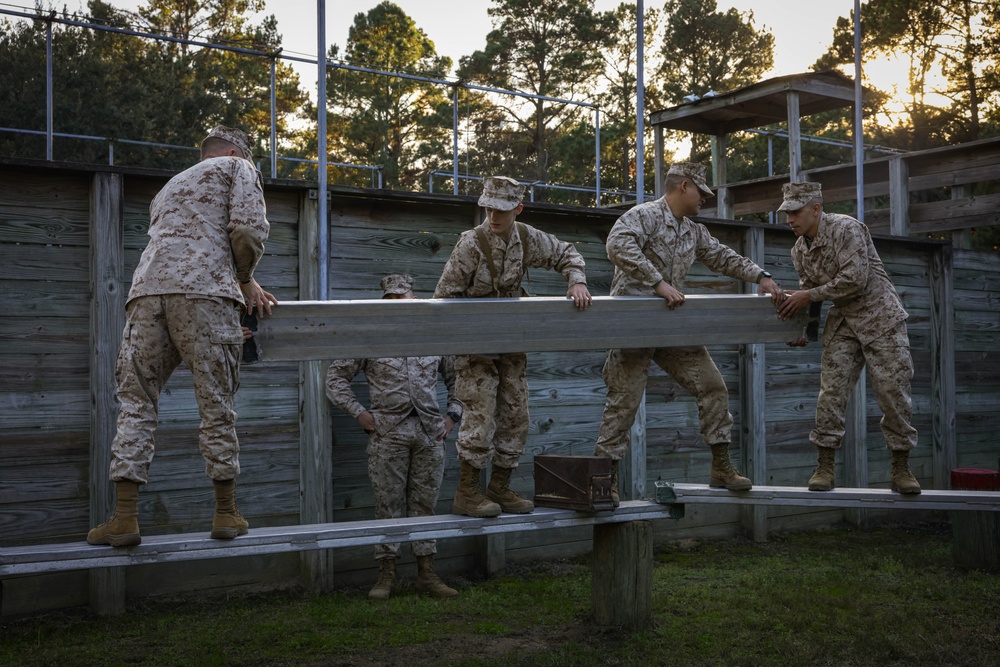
(402, 124)
(129, 88)
(704, 50)
(543, 47)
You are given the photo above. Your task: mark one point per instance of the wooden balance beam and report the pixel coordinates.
(371, 328)
(66, 556)
(670, 493)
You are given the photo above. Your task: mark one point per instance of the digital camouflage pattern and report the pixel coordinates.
(625, 374)
(405, 456)
(467, 274)
(694, 172)
(207, 230)
(501, 192)
(649, 244)
(797, 195)
(495, 393)
(494, 388)
(841, 265)
(865, 326)
(160, 332)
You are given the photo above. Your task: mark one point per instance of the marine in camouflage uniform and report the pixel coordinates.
(494, 387)
(206, 235)
(866, 326)
(652, 246)
(405, 443)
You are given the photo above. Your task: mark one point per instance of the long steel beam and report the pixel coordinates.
(369, 328)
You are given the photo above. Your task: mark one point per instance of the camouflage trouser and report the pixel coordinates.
(405, 467)
(161, 332)
(495, 420)
(625, 374)
(890, 369)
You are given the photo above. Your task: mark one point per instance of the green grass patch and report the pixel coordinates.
(885, 597)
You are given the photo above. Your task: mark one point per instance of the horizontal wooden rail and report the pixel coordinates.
(46, 558)
(680, 494)
(368, 328)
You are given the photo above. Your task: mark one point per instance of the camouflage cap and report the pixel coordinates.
(798, 195)
(396, 283)
(236, 137)
(694, 172)
(501, 193)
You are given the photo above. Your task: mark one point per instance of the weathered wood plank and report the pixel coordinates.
(199, 546)
(375, 328)
(985, 501)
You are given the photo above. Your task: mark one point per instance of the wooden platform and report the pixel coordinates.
(367, 328)
(798, 496)
(65, 556)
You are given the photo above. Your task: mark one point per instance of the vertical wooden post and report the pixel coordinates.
(753, 380)
(943, 366)
(632, 469)
(961, 238)
(794, 137)
(899, 196)
(107, 319)
(720, 177)
(621, 589)
(315, 423)
(658, 158)
(855, 448)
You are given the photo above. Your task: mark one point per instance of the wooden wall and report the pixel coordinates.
(45, 393)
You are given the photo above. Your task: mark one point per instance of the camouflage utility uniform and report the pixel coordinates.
(865, 326)
(649, 244)
(494, 388)
(406, 450)
(207, 230)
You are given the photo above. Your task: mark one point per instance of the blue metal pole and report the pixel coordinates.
(454, 140)
(640, 106)
(597, 141)
(48, 91)
(274, 114)
(859, 131)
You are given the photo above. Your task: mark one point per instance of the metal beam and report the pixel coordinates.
(369, 328)
(799, 496)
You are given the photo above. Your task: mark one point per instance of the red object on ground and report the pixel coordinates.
(975, 479)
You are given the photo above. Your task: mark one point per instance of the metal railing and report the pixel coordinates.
(532, 185)
(52, 18)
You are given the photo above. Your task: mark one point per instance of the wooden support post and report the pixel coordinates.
(961, 238)
(107, 319)
(943, 366)
(491, 553)
(632, 469)
(855, 448)
(753, 404)
(621, 591)
(899, 196)
(658, 159)
(720, 177)
(976, 535)
(794, 137)
(315, 423)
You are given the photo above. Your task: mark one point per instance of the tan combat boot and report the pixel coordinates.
(822, 477)
(228, 522)
(499, 491)
(386, 578)
(122, 529)
(469, 498)
(723, 474)
(428, 581)
(615, 498)
(903, 480)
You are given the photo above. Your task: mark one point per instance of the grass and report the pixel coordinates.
(885, 597)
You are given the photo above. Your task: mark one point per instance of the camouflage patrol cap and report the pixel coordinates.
(236, 137)
(396, 283)
(501, 193)
(798, 195)
(694, 172)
